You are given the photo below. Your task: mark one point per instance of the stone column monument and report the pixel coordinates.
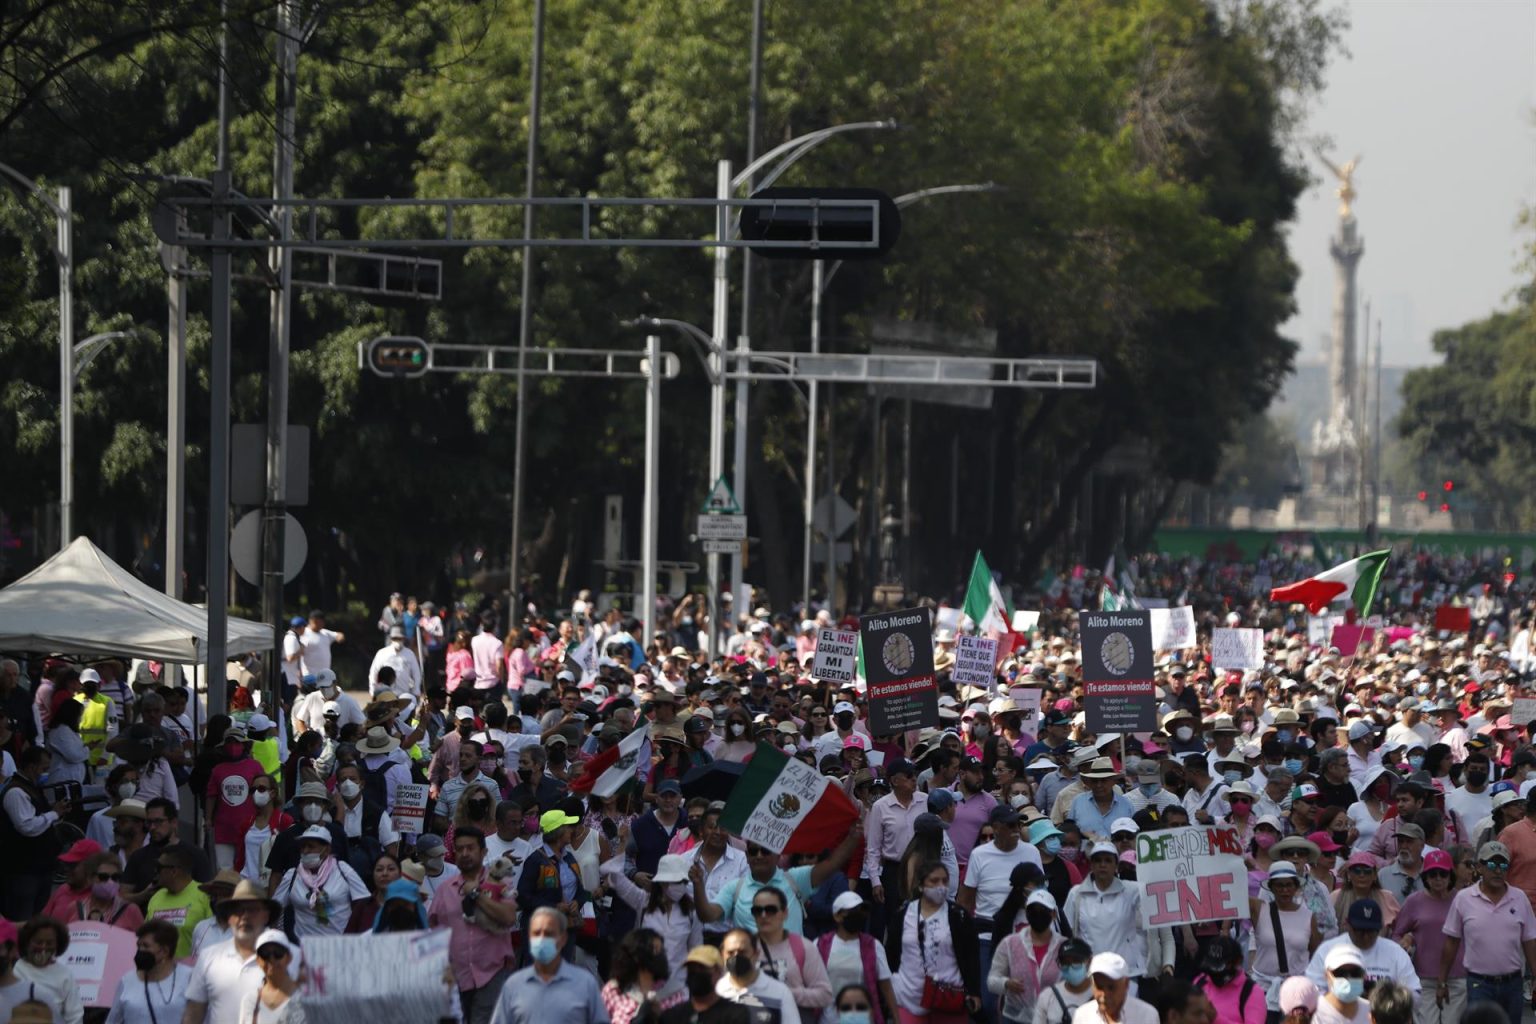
(1336, 440)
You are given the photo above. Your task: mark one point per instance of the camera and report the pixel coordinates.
(70, 791)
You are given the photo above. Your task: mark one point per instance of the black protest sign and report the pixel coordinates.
(898, 664)
(1118, 690)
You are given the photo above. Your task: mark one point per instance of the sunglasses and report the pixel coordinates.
(853, 1007)
(1496, 865)
(760, 910)
(1362, 869)
(107, 876)
(1436, 873)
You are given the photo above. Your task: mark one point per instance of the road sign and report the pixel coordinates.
(245, 548)
(722, 547)
(877, 224)
(721, 499)
(722, 528)
(390, 356)
(832, 516)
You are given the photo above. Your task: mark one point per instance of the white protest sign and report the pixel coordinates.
(836, 655)
(1152, 602)
(386, 978)
(1024, 621)
(947, 618)
(1173, 629)
(1028, 700)
(1190, 874)
(410, 811)
(1524, 711)
(1237, 648)
(1320, 628)
(975, 661)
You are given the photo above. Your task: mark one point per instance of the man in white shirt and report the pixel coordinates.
(745, 984)
(293, 649)
(309, 710)
(1472, 801)
(316, 642)
(228, 972)
(396, 655)
(1383, 959)
(490, 659)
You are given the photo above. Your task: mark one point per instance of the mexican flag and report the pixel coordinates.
(1358, 578)
(984, 604)
(787, 806)
(608, 772)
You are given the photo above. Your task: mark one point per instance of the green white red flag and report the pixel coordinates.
(1356, 579)
(787, 806)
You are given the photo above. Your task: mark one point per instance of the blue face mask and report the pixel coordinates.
(1052, 845)
(1293, 766)
(542, 949)
(853, 1017)
(1283, 735)
(1151, 788)
(1348, 990)
(1074, 974)
(1231, 777)
(1416, 761)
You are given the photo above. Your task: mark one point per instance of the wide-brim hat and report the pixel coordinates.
(247, 891)
(229, 878)
(1100, 768)
(386, 704)
(377, 741)
(1290, 843)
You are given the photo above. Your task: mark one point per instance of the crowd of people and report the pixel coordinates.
(1380, 799)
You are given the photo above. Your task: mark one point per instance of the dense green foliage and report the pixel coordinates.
(1143, 147)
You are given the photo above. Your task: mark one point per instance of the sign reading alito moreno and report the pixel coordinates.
(898, 664)
(1118, 690)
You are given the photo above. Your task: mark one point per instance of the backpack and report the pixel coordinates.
(375, 788)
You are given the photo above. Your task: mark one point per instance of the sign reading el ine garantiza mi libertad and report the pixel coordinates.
(1117, 671)
(898, 664)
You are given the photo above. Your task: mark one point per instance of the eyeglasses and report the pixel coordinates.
(853, 1007)
(107, 876)
(1496, 865)
(763, 910)
(157, 821)
(1362, 869)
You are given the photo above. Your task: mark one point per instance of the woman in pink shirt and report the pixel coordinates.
(460, 662)
(1418, 929)
(519, 665)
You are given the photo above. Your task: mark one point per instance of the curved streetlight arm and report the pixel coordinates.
(88, 349)
(687, 329)
(802, 145)
(906, 199)
(33, 187)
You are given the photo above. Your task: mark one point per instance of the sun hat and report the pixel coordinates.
(672, 867)
(1290, 843)
(247, 891)
(377, 741)
(1282, 872)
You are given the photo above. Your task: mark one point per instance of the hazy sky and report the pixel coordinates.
(1438, 97)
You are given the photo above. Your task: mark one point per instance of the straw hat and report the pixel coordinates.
(378, 741)
(247, 891)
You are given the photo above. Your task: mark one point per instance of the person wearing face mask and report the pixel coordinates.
(398, 656)
(1380, 957)
(1185, 730)
(739, 744)
(479, 914)
(1284, 931)
(703, 969)
(1149, 790)
(42, 942)
(155, 991)
(322, 891)
(369, 828)
(311, 804)
(1376, 801)
(745, 984)
(227, 800)
(1060, 874)
(122, 784)
(102, 898)
(267, 821)
(1026, 961)
(1343, 999)
(1237, 998)
(476, 809)
(1471, 801)
(665, 907)
(1057, 1002)
(469, 774)
(855, 960)
(550, 989)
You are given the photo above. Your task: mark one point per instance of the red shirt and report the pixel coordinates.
(230, 785)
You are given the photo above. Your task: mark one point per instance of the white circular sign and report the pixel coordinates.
(1117, 653)
(235, 790)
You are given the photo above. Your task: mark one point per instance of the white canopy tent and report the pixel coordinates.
(82, 602)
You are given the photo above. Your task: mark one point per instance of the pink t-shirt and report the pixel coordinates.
(457, 663)
(1227, 999)
(1423, 917)
(486, 650)
(230, 785)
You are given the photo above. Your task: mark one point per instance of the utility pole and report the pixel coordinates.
(274, 510)
(744, 339)
(66, 260)
(525, 314)
(218, 453)
(175, 419)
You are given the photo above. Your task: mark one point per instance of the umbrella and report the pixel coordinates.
(712, 781)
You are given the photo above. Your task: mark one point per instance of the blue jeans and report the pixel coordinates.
(1507, 993)
(988, 1000)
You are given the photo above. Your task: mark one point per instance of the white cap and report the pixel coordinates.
(319, 832)
(1104, 848)
(1112, 965)
(1343, 955)
(463, 714)
(1041, 898)
(90, 675)
(259, 723)
(842, 706)
(847, 901)
(295, 956)
(672, 867)
(1359, 731)
(1123, 825)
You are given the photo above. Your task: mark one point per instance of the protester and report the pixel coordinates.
(41, 943)
(551, 989)
(227, 974)
(746, 984)
(479, 912)
(156, 989)
(276, 1001)
(321, 892)
(934, 955)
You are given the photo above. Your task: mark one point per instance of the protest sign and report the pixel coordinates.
(975, 661)
(1117, 671)
(1237, 648)
(410, 810)
(1191, 874)
(1024, 621)
(99, 955)
(1351, 640)
(1452, 619)
(1320, 628)
(1028, 700)
(1524, 711)
(948, 618)
(1152, 602)
(836, 655)
(898, 664)
(1173, 629)
(384, 978)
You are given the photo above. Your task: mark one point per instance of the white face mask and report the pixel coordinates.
(1183, 733)
(261, 798)
(349, 789)
(736, 728)
(397, 644)
(126, 790)
(311, 813)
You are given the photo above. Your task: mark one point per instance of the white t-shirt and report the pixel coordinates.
(988, 872)
(317, 650)
(1134, 1012)
(292, 646)
(221, 978)
(337, 893)
(845, 966)
(1470, 807)
(769, 993)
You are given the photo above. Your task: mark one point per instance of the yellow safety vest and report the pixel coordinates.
(266, 754)
(93, 727)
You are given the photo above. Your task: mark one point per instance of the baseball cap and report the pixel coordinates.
(1365, 915)
(900, 766)
(1111, 965)
(709, 956)
(668, 786)
(1298, 993)
(1491, 850)
(1003, 814)
(1104, 849)
(847, 901)
(1123, 825)
(1437, 860)
(1345, 954)
(941, 800)
(1359, 731)
(551, 820)
(464, 714)
(842, 706)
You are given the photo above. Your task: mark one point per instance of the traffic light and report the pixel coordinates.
(397, 357)
(834, 223)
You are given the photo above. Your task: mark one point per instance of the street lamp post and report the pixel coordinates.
(820, 280)
(780, 158)
(76, 360)
(64, 252)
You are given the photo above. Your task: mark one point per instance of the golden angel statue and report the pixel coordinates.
(1346, 176)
